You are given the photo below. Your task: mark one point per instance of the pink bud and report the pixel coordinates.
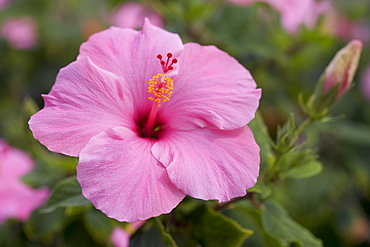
(342, 67)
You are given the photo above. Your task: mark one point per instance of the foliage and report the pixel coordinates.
(314, 184)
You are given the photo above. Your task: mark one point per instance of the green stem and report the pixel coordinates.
(307, 122)
(272, 171)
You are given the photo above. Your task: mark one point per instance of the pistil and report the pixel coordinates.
(161, 87)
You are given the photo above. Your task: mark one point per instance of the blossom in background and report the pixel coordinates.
(17, 200)
(152, 120)
(365, 82)
(20, 33)
(121, 237)
(293, 13)
(342, 68)
(132, 14)
(3, 4)
(343, 27)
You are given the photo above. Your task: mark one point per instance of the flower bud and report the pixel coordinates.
(342, 68)
(335, 81)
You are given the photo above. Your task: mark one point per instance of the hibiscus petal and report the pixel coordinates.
(14, 163)
(84, 102)
(210, 164)
(132, 55)
(211, 88)
(120, 176)
(18, 200)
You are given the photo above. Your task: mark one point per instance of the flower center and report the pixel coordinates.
(161, 87)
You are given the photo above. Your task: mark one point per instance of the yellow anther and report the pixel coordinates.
(161, 87)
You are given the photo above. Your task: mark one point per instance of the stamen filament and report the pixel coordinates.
(149, 128)
(161, 87)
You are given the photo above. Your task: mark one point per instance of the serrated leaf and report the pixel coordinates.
(66, 193)
(306, 170)
(211, 228)
(278, 224)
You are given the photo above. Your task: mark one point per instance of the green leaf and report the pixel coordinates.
(151, 235)
(278, 224)
(248, 216)
(42, 175)
(98, 225)
(262, 137)
(11, 234)
(353, 132)
(66, 193)
(211, 228)
(261, 188)
(166, 237)
(306, 170)
(42, 226)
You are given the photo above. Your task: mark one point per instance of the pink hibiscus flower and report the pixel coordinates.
(294, 13)
(17, 200)
(132, 14)
(343, 27)
(3, 4)
(121, 237)
(139, 159)
(20, 33)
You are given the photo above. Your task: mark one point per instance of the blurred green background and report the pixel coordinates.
(334, 205)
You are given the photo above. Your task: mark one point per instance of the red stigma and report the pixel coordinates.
(167, 66)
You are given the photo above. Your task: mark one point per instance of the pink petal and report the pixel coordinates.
(132, 55)
(132, 15)
(13, 163)
(211, 88)
(210, 164)
(84, 102)
(120, 176)
(119, 237)
(17, 200)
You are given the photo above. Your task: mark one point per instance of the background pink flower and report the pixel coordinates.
(17, 200)
(294, 13)
(121, 237)
(343, 27)
(132, 15)
(139, 160)
(20, 33)
(3, 4)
